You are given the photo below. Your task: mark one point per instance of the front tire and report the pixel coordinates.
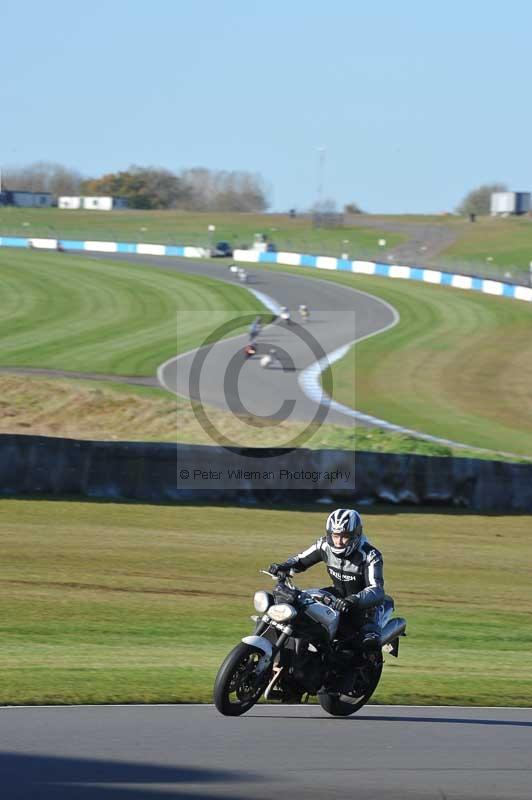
(344, 705)
(238, 686)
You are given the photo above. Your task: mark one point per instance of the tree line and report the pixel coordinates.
(197, 189)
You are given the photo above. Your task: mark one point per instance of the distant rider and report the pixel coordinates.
(255, 328)
(269, 358)
(284, 315)
(356, 569)
(304, 312)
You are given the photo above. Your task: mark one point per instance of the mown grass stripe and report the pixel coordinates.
(62, 312)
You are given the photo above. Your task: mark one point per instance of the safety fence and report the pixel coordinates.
(41, 466)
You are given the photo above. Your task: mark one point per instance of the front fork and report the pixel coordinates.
(276, 668)
(269, 649)
(286, 632)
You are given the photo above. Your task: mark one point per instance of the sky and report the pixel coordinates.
(400, 108)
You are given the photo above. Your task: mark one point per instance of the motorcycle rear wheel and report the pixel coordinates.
(342, 705)
(238, 686)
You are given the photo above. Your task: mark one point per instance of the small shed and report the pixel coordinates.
(69, 202)
(30, 199)
(505, 203)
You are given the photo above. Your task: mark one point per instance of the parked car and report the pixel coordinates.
(221, 250)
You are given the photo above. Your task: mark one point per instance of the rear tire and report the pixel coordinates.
(343, 705)
(237, 686)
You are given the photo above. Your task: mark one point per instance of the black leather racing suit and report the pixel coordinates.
(360, 573)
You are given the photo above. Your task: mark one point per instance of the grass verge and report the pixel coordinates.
(458, 365)
(106, 602)
(93, 410)
(175, 227)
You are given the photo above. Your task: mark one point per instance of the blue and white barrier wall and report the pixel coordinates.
(389, 271)
(433, 276)
(104, 247)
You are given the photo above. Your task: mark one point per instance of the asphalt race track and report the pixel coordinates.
(190, 751)
(339, 316)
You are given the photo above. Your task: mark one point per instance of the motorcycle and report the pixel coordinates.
(298, 651)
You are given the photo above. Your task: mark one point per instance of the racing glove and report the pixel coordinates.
(345, 604)
(276, 569)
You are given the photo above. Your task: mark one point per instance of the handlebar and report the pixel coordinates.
(283, 577)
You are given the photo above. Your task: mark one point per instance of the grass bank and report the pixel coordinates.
(78, 314)
(494, 241)
(458, 365)
(81, 409)
(174, 227)
(136, 603)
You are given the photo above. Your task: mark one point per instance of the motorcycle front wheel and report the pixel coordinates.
(342, 705)
(238, 685)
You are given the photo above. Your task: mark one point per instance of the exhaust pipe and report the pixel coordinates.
(394, 628)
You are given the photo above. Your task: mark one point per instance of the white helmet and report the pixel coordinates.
(348, 522)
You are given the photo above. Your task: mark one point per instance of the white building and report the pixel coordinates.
(69, 202)
(505, 203)
(103, 203)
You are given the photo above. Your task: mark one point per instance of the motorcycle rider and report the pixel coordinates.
(356, 569)
(255, 328)
(284, 315)
(304, 312)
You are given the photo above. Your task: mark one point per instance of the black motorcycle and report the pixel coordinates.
(298, 649)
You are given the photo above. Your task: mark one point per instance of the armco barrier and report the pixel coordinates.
(47, 467)
(437, 277)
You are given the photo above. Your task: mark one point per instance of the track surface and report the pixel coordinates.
(382, 753)
(339, 315)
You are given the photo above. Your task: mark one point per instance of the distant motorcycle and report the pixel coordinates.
(296, 652)
(304, 313)
(284, 316)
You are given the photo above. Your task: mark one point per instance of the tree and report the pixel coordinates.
(221, 190)
(352, 208)
(144, 187)
(326, 206)
(478, 201)
(42, 176)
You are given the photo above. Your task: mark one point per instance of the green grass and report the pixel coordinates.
(505, 242)
(107, 411)
(173, 227)
(458, 365)
(105, 602)
(73, 313)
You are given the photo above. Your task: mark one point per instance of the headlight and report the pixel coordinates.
(282, 612)
(262, 601)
